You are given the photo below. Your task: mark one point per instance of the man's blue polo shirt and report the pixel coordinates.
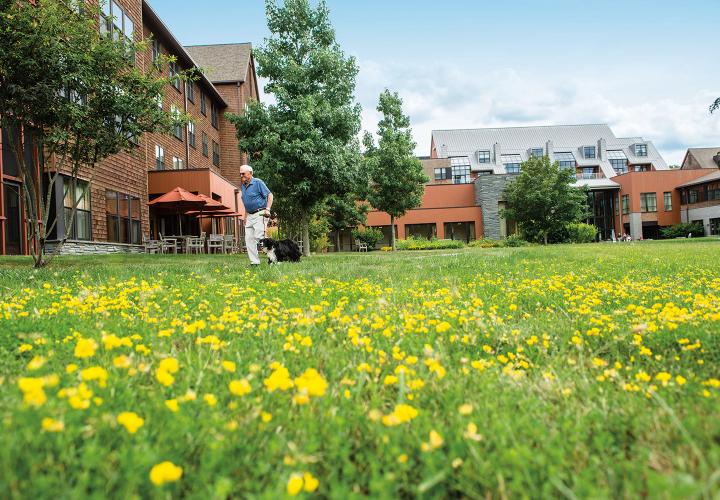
(254, 195)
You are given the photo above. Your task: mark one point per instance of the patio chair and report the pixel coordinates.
(196, 245)
(216, 242)
(361, 246)
(167, 244)
(150, 246)
(230, 244)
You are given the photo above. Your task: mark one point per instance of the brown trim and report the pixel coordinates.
(435, 208)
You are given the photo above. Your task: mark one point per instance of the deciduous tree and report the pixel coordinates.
(304, 146)
(397, 180)
(542, 199)
(71, 94)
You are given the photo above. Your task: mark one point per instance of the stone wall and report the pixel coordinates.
(93, 247)
(488, 193)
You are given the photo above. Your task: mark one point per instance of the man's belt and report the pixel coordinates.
(256, 211)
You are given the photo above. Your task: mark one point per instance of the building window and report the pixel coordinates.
(511, 163)
(191, 133)
(642, 168)
(178, 163)
(115, 22)
(565, 160)
(204, 144)
(123, 218)
(618, 161)
(80, 198)
(156, 52)
(177, 128)
(483, 156)
(190, 90)
(213, 115)
(713, 191)
(537, 152)
(159, 100)
(667, 196)
(625, 204)
(159, 158)
(588, 173)
(715, 226)
(648, 202)
(442, 174)
(174, 75)
(203, 106)
(640, 149)
(216, 154)
(460, 170)
(693, 196)
(589, 152)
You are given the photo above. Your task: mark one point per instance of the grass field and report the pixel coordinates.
(567, 371)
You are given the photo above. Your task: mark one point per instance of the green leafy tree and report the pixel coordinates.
(73, 96)
(305, 145)
(543, 201)
(343, 212)
(397, 180)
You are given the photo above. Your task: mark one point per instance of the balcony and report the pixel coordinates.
(586, 176)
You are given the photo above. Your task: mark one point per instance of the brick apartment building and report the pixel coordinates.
(631, 189)
(203, 157)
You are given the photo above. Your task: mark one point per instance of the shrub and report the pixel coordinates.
(683, 230)
(412, 243)
(486, 243)
(368, 235)
(319, 229)
(514, 240)
(580, 232)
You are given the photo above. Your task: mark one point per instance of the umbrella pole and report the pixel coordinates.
(180, 222)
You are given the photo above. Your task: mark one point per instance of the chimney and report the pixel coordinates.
(443, 151)
(602, 149)
(497, 153)
(716, 159)
(550, 150)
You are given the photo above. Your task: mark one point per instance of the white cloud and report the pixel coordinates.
(449, 97)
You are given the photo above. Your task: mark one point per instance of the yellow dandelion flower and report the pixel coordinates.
(52, 425)
(240, 387)
(131, 421)
(295, 484)
(229, 366)
(165, 472)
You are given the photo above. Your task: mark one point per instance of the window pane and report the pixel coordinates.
(135, 208)
(123, 235)
(111, 202)
(112, 229)
(136, 232)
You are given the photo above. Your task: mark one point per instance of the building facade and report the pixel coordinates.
(700, 197)
(203, 157)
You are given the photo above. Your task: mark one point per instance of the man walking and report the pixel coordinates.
(257, 199)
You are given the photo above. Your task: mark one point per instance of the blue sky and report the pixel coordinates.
(647, 68)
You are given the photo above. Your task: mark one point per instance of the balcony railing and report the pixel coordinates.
(581, 177)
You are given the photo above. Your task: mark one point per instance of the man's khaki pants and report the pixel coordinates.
(254, 232)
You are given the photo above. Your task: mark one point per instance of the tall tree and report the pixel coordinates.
(305, 145)
(73, 96)
(397, 180)
(343, 212)
(542, 199)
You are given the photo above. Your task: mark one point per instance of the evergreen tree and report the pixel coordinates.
(542, 199)
(305, 145)
(397, 180)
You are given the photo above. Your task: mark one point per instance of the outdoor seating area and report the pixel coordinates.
(198, 212)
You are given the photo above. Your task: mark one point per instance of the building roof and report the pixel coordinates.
(163, 33)
(714, 176)
(223, 63)
(520, 140)
(703, 156)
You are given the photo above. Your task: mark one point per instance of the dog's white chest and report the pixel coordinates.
(272, 258)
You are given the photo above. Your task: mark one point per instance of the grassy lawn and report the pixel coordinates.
(577, 371)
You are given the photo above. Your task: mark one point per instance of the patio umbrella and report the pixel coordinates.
(178, 201)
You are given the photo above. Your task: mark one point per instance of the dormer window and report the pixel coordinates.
(537, 152)
(483, 156)
(640, 149)
(565, 159)
(589, 152)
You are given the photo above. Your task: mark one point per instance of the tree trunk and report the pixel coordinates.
(392, 232)
(306, 236)
(545, 236)
(337, 240)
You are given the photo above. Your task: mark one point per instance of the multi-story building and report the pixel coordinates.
(700, 197)
(203, 157)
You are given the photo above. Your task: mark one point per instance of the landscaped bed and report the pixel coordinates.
(583, 370)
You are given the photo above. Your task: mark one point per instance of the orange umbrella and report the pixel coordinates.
(178, 200)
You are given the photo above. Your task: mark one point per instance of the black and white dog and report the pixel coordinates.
(280, 251)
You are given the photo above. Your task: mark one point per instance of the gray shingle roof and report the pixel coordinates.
(520, 140)
(704, 156)
(715, 176)
(224, 62)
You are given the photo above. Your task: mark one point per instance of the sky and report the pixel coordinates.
(646, 68)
